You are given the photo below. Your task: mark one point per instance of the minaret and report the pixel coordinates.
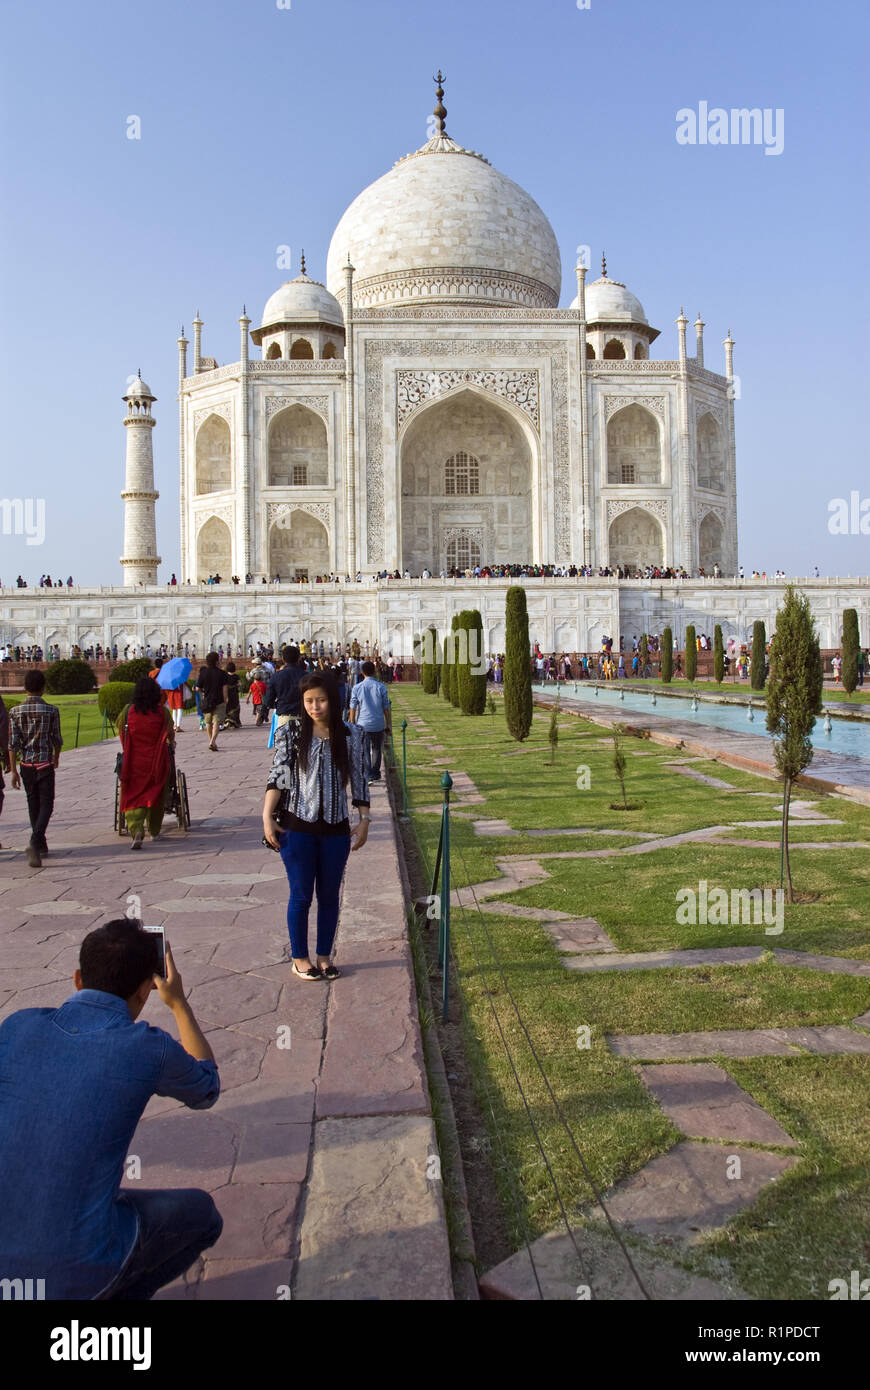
(699, 327)
(140, 558)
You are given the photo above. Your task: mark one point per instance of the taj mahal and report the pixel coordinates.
(429, 409)
(432, 406)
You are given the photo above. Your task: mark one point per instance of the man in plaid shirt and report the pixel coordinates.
(35, 745)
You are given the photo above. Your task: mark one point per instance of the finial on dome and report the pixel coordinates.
(139, 373)
(440, 111)
(302, 260)
(603, 266)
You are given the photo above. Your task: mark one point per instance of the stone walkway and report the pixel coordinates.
(321, 1151)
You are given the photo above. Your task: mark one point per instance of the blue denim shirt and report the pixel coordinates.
(371, 699)
(73, 1084)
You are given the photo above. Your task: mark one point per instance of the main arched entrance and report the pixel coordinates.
(466, 479)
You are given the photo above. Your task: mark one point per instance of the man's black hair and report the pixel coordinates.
(34, 682)
(290, 655)
(118, 957)
(368, 668)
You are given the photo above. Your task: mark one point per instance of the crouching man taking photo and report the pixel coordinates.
(74, 1082)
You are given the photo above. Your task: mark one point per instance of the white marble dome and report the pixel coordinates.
(443, 224)
(608, 301)
(139, 391)
(302, 300)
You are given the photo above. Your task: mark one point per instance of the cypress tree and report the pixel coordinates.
(759, 656)
(429, 667)
(691, 653)
(453, 668)
(472, 687)
(667, 656)
(517, 670)
(718, 655)
(850, 635)
(794, 698)
(644, 653)
(446, 658)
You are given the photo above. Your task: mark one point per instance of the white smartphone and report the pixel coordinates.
(161, 949)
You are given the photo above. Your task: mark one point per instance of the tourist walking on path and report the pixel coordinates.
(255, 697)
(212, 686)
(233, 716)
(305, 815)
(35, 744)
(370, 709)
(175, 705)
(147, 734)
(282, 692)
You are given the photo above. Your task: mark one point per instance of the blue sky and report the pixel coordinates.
(261, 124)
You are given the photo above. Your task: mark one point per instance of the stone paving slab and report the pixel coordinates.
(680, 1195)
(650, 1047)
(837, 965)
(658, 960)
(717, 783)
(551, 1270)
(373, 1062)
(374, 1222)
(824, 1042)
(705, 1103)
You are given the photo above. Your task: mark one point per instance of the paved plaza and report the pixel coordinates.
(321, 1151)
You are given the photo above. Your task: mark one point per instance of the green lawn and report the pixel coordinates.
(811, 1225)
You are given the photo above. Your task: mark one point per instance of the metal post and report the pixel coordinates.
(78, 724)
(404, 772)
(444, 938)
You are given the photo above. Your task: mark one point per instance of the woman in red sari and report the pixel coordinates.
(146, 733)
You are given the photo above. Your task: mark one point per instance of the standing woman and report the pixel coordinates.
(146, 733)
(313, 763)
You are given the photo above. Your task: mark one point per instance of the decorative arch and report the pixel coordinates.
(634, 451)
(214, 549)
(590, 352)
(214, 456)
(330, 351)
(635, 538)
(298, 545)
(474, 423)
(298, 448)
(301, 351)
(641, 352)
(711, 543)
(614, 350)
(711, 453)
(274, 353)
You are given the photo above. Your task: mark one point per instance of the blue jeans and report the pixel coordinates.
(313, 861)
(175, 1226)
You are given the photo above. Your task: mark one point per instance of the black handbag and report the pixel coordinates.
(119, 757)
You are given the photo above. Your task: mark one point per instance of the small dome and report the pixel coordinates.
(302, 300)
(139, 391)
(608, 301)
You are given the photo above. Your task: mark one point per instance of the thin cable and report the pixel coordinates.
(506, 1165)
(599, 1199)
(525, 1102)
